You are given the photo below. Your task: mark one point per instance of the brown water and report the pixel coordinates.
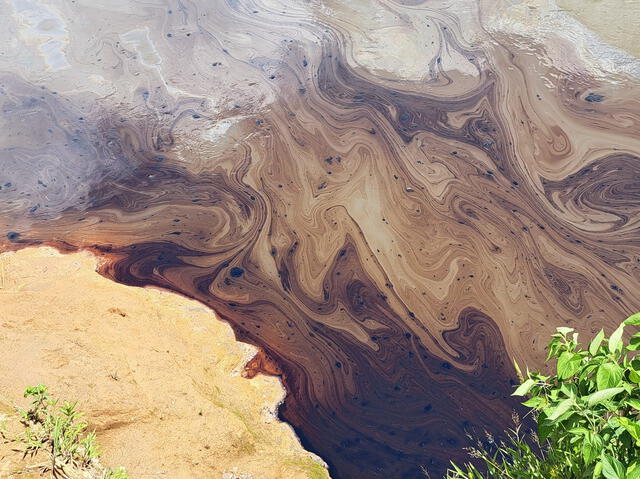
(392, 199)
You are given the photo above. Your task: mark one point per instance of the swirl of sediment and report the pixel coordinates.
(390, 243)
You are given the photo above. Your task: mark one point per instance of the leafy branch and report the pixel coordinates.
(587, 414)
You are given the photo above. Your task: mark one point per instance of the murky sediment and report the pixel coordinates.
(392, 199)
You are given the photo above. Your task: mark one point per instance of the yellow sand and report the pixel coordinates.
(617, 22)
(158, 375)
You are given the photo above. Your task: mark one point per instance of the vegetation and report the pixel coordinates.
(59, 432)
(587, 415)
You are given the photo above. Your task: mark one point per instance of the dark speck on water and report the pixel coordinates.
(594, 97)
(236, 272)
(13, 236)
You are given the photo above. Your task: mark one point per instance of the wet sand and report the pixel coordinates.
(614, 21)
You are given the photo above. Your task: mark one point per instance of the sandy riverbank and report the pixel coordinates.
(170, 405)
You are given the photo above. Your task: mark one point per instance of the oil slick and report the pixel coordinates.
(139, 41)
(45, 30)
(414, 198)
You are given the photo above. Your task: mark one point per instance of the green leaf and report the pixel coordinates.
(591, 447)
(544, 428)
(633, 474)
(612, 468)
(608, 376)
(634, 377)
(564, 330)
(615, 341)
(634, 403)
(631, 426)
(568, 364)
(602, 396)
(633, 471)
(633, 320)
(524, 388)
(597, 470)
(595, 343)
(534, 402)
(570, 390)
(634, 342)
(554, 413)
(516, 366)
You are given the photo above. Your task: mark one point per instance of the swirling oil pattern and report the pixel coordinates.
(393, 199)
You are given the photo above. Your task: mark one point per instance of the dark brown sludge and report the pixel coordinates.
(393, 200)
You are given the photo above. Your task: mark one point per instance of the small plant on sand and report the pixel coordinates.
(59, 431)
(587, 414)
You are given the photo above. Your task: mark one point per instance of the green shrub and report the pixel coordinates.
(60, 432)
(587, 415)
